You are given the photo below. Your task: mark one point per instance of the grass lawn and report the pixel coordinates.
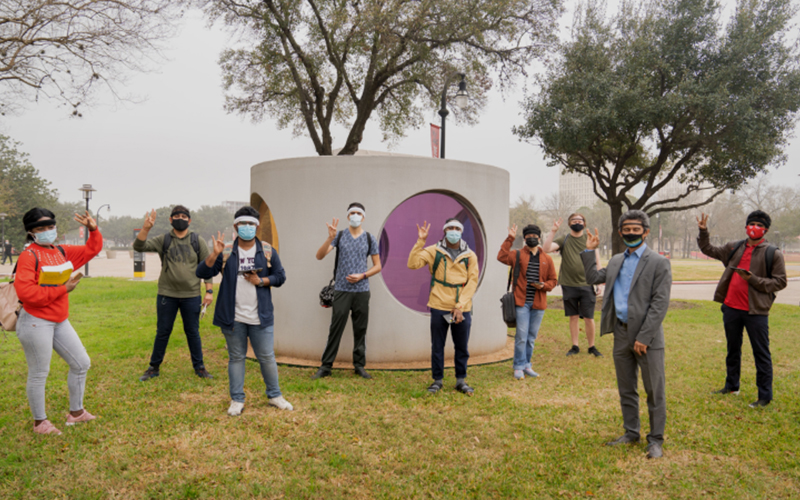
(696, 269)
(387, 438)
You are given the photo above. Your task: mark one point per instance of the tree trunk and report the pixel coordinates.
(617, 245)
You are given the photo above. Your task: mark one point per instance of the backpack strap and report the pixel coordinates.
(443, 281)
(369, 244)
(515, 273)
(336, 261)
(770, 256)
(735, 248)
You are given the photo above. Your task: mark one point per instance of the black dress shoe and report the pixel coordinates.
(361, 372)
(759, 404)
(321, 373)
(624, 439)
(654, 450)
(725, 390)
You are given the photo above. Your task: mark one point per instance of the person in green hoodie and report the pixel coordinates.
(179, 288)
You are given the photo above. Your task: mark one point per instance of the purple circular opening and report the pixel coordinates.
(412, 287)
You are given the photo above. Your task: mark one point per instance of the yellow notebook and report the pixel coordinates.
(55, 275)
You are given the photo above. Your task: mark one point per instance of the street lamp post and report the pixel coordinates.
(98, 212)
(462, 99)
(87, 195)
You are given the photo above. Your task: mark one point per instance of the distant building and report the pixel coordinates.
(233, 206)
(575, 190)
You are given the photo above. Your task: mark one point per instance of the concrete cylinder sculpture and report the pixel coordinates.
(297, 196)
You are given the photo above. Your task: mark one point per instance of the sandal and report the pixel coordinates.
(435, 386)
(464, 388)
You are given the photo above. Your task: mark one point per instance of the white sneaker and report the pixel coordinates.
(235, 409)
(281, 403)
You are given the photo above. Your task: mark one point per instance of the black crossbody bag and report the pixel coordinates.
(507, 303)
(326, 295)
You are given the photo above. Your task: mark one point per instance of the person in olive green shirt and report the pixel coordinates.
(178, 286)
(578, 296)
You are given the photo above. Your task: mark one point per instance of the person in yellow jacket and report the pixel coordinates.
(454, 279)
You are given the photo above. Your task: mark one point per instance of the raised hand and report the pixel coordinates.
(149, 221)
(512, 231)
(86, 220)
(332, 228)
(592, 240)
(218, 243)
(702, 221)
(556, 225)
(423, 231)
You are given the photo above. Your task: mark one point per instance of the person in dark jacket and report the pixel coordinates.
(537, 276)
(747, 290)
(244, 308)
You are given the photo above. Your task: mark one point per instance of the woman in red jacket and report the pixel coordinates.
(43, 326)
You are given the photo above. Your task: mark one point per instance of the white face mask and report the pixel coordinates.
(355, 219)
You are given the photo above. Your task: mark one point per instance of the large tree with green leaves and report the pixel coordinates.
(22, 188)
(310, 64)
(665, 91)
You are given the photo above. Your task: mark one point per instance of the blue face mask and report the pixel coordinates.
(46, 237)
(632, 240)
(246, 232)
(453, 237)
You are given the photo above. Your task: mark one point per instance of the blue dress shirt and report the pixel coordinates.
(622, 286)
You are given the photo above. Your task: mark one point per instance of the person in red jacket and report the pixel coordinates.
(537, 276)
(43, 325)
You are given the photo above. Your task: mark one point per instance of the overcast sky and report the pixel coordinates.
(179, 145)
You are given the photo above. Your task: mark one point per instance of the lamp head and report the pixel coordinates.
(462, 97)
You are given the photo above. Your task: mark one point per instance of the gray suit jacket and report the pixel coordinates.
(648, 299)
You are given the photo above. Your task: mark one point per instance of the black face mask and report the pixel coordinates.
(532, 242)
(180, 224)
(576, 227)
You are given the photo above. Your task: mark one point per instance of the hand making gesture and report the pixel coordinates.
(149, 221)
(592, 240)
(512, 231)
(702, 222)
(332, 228)
(423, 231)
(86, 220)
(556, 225)
(217, 244)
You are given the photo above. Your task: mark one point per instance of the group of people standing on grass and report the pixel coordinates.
(636, 298)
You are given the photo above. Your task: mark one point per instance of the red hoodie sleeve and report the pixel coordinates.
(26, 282)
(81, 254)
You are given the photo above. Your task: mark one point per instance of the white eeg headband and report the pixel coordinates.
(246, 218)
(453, 223)
(358, 210)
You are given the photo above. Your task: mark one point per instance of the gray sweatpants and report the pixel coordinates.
(39, 338)
(628, 364)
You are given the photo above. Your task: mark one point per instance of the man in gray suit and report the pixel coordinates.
(635, 303)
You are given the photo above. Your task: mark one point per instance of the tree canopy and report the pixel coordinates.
(664, 91)
(311, 64)
(63, 50)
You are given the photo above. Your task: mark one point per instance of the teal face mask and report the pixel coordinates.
(46, 237)
(453, 237)
(246, 232)
(632, 240)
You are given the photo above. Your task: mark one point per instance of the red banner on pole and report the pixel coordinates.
(435, 140)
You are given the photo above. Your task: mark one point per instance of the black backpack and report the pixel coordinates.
(769, 257)
(507, 303)
(194, 240)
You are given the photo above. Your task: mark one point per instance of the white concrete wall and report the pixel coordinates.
(305, 193)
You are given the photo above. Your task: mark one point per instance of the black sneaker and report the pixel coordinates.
(361, 372)
(321, 373)
(725, 390)
(203, 373)
(759, 404)
(597, 354)
(575, 350)
(151, 372)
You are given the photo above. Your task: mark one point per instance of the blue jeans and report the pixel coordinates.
(166, 311)
(261, 338)
(528, 323)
